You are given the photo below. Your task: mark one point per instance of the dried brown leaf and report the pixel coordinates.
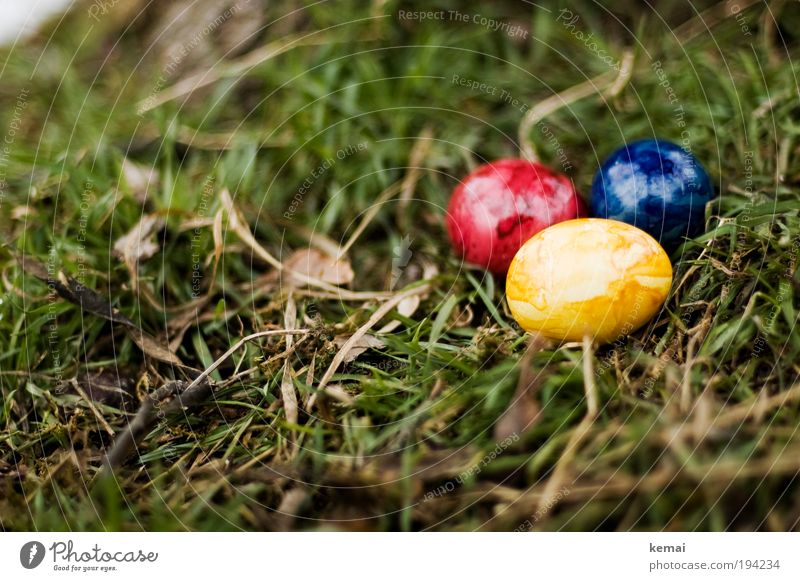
(240, 227)
(138, 244)
(107, 387)
(361, 345)
(139, 179)
(315, 264)
(289, 395)
(153, 348)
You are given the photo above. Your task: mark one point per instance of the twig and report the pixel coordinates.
(142, 421)
(185, 397)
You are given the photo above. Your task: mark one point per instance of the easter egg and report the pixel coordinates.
(591, 276)
(654, 185)
(500, 205)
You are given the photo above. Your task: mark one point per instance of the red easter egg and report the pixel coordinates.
(501, 205)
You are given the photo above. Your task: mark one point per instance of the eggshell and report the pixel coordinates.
(654, 185)
(500, 205)
(588, 276)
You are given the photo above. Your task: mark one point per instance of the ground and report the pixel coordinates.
(178, 162)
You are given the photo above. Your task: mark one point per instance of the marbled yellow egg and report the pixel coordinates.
(589, 276)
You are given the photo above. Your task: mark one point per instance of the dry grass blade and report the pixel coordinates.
(238, 345)
(240, 66)
(710, 18)
(219, 243)
(240, 227)
(52, 471)
(338, 393)
(755, 407)
(697, 336)
(315, 238)
(138, 244)
(607, 84)
(524, 409)
(345, 295)
(153, 348)
(76, 386)
(369, 215)
(290, 506)
(381, 312)
(415, 160)
(193, 314)
(406, 307)
(288, 393)
(242, 230)
(555, 481)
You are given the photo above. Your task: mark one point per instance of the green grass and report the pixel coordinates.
(422, 411)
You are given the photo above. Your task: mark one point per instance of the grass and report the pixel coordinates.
(697, 426)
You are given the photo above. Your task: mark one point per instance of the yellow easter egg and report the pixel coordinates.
(588, 276)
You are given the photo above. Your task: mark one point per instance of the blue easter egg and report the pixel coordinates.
(656, 186)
